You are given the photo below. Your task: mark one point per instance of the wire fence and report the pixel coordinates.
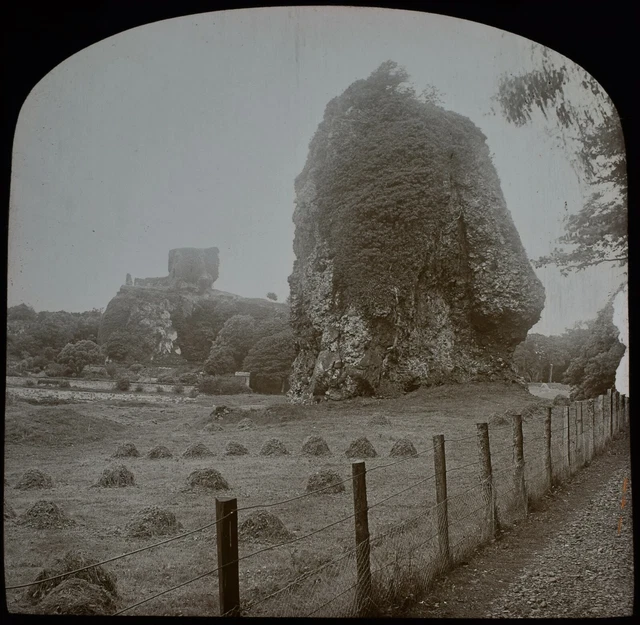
(443, 509)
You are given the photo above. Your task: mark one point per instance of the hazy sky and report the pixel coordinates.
(189, 133)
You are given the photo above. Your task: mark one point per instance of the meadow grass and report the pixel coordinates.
(74, 444)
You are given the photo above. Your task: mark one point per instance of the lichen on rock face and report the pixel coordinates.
(409, 270)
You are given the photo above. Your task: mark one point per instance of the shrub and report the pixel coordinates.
(139, 388)
(122, 384)
(166, 379)
(136, 367)
(178, 389)
(219, 385)
(112, 370)
(65, 384)
(188, 378)
(193, 393)
(56, 370)
(159, 389)
(30, 383)
(77, 355)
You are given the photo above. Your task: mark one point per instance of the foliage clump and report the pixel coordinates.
(222, 385)
(77, 355)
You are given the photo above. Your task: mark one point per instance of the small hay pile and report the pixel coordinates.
(234, 448)
(71, 561)
(245, 424)
(34, 479)
(219, 411)
(197, 450)
(315, 446)
(45, 515)
(213, 427)
(9, 512)
(153, 521)
(264, 527)
(361, 448)
(78, 597)
(403, 448)
(379, 420)
(329, 481)
(273, 447)
(159, 451)
(126, 451)
(117, 476)
(561, 400)
(207, 478)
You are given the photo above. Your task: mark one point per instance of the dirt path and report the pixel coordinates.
(566, 560)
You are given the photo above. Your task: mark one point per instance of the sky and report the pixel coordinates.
(190, 132)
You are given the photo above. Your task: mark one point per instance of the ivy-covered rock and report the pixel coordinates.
(409, 270)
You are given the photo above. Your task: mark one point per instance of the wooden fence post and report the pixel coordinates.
(603, 421)
(624, 411)
(579, 436)
(618, 418)
(442, 513)
(227, 541)
(567, 441)
(591, 409)
(518, 456)
(363, 547)
(627, 413)
(610, 413)
(547, 449)
(491, 525)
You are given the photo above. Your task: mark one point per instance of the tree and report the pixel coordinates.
(588, 126)
(77, 355)
(593, 369)
(221, 360)
(272, 354)
(21, 312)
(272, 296)
(238, 334)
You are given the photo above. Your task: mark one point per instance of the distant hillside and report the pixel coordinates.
(147, 323)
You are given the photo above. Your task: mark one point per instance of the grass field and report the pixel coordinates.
(74, 442)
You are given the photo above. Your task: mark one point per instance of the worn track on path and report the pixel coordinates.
(572, 557)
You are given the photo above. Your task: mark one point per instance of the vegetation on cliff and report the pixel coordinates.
(407, 260)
